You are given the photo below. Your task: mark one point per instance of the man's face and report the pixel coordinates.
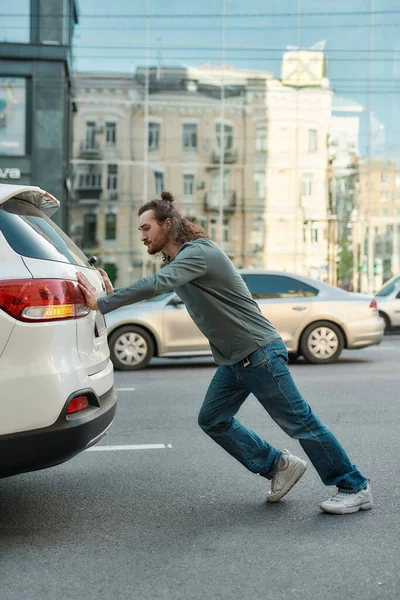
(153, 235)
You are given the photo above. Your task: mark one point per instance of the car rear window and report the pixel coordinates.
(277, 286)
(32, 234)
(389, 287)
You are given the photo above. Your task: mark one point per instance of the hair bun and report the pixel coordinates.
(167, 196)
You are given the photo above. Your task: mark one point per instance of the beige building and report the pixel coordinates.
(268, 183)
(379, 222)
(296, 197)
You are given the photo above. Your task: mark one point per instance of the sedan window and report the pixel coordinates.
(389, 287)
(277, 286)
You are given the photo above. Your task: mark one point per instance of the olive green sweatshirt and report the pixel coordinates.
(215, 295)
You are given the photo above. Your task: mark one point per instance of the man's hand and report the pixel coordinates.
(88, 290)
(107, 282)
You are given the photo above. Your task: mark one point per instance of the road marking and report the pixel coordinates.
(129, 447)
(125, 389)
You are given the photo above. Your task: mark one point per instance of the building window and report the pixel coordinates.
(189, 136)
(214, 195)
(201, 221)
(214, 229)
(261, 138)
(312, 140)
(259, 182)
(111, 134)
(12, 116)
(158, 182)
(384, 197)
(111, 227)
(314, 233)
(154, 136)
(89, 180)
(188, 186)
(16, 21)
(228, 136)
(112, 177)
(89, 230)
(385, 177)
(90, 135)
(257, 233)
(306, 184)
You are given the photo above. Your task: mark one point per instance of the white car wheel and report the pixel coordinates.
(322, 342)
(131, 348)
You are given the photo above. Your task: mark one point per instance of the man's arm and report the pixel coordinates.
(188, 265)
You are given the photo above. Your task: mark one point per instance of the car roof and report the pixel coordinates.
(31, 193)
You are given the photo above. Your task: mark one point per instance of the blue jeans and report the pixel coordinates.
(265, 374)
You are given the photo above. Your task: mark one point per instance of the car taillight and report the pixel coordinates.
(41, 300)
(77, 404)
(373, 304)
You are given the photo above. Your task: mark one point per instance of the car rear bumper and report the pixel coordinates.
(367, 333)
(49, 446)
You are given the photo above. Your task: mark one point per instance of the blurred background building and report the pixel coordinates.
(284, 149)
(253, 174)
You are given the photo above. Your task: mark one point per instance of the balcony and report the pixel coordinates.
(88, 186)
(87, 201)
(90, 151)
(212, 200)
(230, 156)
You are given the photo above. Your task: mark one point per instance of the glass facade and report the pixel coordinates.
(15, 21)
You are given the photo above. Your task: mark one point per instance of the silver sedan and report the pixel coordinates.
(315, 320)
(388, 300)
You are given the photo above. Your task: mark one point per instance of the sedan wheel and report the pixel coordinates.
(131, 348)
(385, 322)
(321, 342)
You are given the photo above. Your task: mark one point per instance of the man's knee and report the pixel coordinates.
(204, 421)
(210, 425)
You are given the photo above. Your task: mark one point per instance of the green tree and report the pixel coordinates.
(345, 260)
(112, 271)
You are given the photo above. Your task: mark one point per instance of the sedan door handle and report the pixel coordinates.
(299, 308)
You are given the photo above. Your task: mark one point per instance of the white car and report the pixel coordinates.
(388, 301)
(56, 377)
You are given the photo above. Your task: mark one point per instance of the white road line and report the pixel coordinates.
(125, 389)
(129, 447)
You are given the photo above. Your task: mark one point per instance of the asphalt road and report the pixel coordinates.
(183, 520)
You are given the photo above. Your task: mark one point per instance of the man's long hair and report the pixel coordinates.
(182, 229)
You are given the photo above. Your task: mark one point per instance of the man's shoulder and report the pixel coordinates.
(199, 245)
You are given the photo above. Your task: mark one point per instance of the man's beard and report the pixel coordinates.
(158, 244)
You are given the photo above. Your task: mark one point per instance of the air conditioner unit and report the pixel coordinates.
(99, 129)
(200, 185)
(113, 195)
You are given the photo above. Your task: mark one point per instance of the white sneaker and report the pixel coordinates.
(289, 470)
(343, 504)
